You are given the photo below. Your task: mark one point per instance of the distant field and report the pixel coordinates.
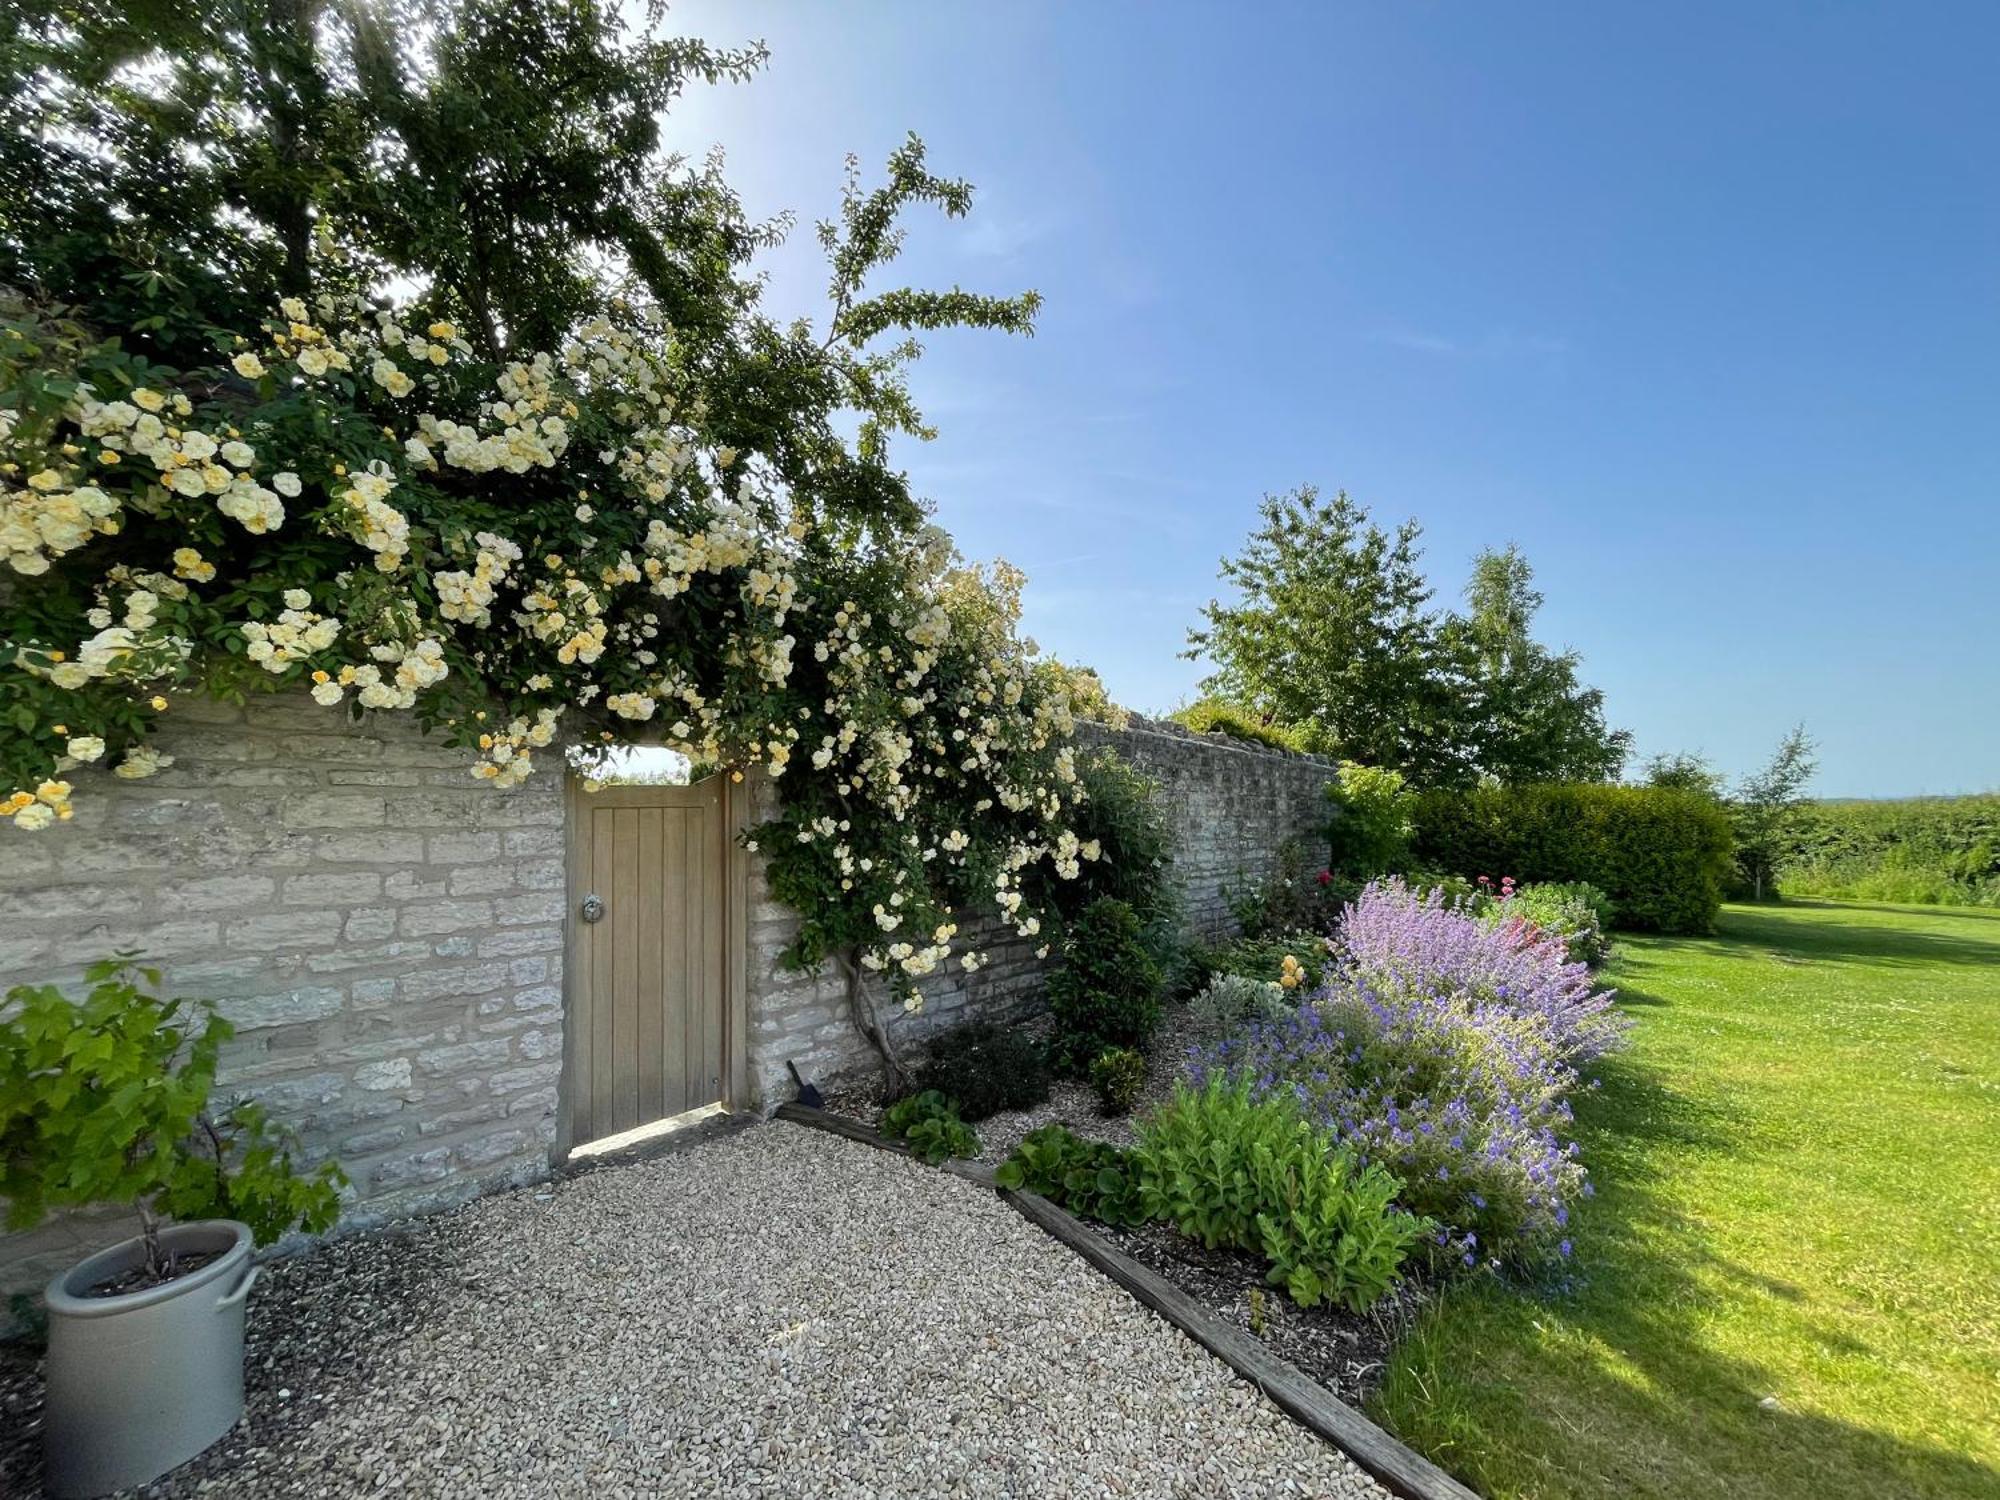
(1788, 1286)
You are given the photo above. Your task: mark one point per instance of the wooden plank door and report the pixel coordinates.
(648, 977)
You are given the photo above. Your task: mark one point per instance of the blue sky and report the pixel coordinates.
(1700, 305)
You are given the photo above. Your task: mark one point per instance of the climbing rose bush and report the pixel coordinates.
(524, 554)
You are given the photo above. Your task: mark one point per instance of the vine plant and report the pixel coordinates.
(504, 442)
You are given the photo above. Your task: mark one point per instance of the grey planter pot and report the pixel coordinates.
(140, 1383)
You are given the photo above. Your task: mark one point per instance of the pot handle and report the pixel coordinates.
(242, 1290)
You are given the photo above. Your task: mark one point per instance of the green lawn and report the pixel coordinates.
(1789, 1282)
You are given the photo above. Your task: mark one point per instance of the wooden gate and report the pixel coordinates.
(651, 957)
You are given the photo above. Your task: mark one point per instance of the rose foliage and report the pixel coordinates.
(388, 355)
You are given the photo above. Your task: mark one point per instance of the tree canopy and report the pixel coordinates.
(1332, 631)
(1766, 806)
(385, 351)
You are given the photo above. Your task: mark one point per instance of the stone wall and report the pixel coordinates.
(385, 933)
(1231, 805)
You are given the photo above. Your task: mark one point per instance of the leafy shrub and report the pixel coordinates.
(1107, 992)
(1393, 943)
(985, 1069)
(1231, 1002)
(1662, 855)
(1119, 813)
(1220, 716)
(1466, 1104)
(1093, 1179)
(929, 1124)
(1460, 891)
(1371, 825)
(1917, 850)
(1298, 895)
(1252, 1174)
(1262, 958)
(106, 1101)
(1119, 1075)
(1575, 911)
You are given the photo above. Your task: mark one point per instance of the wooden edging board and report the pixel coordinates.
(1392, 1464)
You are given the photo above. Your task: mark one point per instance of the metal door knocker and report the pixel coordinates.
(593, 908)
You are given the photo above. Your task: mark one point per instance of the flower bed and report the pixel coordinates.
(1445, 1049)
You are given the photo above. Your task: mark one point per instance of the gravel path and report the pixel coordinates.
(776, 1313)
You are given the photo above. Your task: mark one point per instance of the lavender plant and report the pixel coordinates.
(1465, 1104)
(1402, 944)
(1444, 1050)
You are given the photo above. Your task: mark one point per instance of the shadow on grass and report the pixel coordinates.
(1850, 941)
(1607, 1385)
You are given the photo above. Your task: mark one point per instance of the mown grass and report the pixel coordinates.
(1789, 1282)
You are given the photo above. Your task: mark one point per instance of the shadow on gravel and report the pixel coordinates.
(321, 1320)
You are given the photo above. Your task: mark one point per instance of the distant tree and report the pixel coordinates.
(1682, 771)
(1527, 717)
(1332, 631)
(1767, 804)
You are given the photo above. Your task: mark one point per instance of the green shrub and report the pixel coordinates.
(1093, 1179)
(1369, 832)
(1916, 850)
(106, 1101)
(1262, 958)
(1662, 855)
(1232, 1002)
(1119, 1075)
(929, 1124)
(1107, 992)
(1575, 911)
(1219, 716)
(1299, 895)
(1255, 1175)
(985, 1068)
(1120, 813)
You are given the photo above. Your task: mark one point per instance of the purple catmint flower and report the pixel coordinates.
(1391, 941)
(1444, 1050)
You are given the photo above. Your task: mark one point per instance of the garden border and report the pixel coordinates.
(1390, 1462)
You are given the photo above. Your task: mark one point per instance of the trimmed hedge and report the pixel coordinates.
(1915, 849)
(1662, 855)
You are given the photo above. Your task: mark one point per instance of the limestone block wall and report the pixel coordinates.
(385, 933)
(1231, 805)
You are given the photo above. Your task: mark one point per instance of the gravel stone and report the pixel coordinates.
(776, 1313)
